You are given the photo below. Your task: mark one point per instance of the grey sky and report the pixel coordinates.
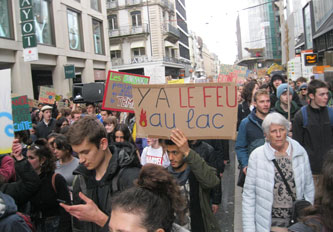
(215, 22)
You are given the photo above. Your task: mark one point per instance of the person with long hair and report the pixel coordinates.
(110, 124)
(61, 123)
(123, 134)
(152, 205)
(245, 108)
(318, 218)
(66, 162)
(46, 213)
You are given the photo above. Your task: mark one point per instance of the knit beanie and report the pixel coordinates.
(283, 88)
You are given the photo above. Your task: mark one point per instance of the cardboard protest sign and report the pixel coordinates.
(47, 95)
(118, 91)
(21, 113)
(33, 103)
(232, 73)
(6, 118)
(61, 105)
(201, 111)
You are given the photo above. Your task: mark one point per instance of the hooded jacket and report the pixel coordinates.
(123, 169)
(9, 220)
(250, 135)
(293, 110)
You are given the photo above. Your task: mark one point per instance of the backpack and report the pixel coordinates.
(305, 115)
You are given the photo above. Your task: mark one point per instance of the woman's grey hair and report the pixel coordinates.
(274, 118)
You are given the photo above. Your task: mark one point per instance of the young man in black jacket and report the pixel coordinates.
(102, 172)
(315, 131)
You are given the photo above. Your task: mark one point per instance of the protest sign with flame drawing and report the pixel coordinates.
(201, 111)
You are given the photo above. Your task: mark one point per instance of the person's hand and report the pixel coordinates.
(17, 150)
(86, 212)
(215, 208)
(178, 137)
(245, 170)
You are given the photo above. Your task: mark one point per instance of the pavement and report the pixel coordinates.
(229, 214)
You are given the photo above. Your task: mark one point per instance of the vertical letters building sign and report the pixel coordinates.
(201, 111)
(27, 24)
(118, 91)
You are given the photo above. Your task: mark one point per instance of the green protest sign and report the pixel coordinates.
(118, 91)
(21, 114)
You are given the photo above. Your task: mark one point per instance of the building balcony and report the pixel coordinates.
(133, 2)
(171, 33)
(111, 4)
(171, 60)
(129, 31)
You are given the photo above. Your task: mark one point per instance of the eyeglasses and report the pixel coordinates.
(303, 89)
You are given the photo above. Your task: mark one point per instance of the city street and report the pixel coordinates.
(229, 214)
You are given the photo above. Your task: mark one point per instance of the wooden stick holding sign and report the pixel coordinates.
(201, 111)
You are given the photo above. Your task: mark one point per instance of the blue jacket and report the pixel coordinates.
(9, 220)
(250, 136)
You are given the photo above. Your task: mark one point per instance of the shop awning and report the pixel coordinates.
(115, 47)
(138, 44)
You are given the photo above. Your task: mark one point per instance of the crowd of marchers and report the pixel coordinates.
(82, 168)
(284, 149)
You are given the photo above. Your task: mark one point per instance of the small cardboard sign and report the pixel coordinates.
(118, 91)
(33, 103)
(201, 111)
(21, 113)
(47, 95)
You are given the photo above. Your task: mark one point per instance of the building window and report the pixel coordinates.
(42, 19)
(113, 23)
(74, 30)
(138, 52)
(136, 18)
(5, 23)
(98, 38)
(115, 54)
(95, 4)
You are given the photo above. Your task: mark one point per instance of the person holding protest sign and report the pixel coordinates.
(46, 213)
(196, 179)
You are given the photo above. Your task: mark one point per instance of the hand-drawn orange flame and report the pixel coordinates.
(143, 118)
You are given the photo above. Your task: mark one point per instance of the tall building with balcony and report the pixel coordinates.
(68, 32)
(144, 38)
(258, 34)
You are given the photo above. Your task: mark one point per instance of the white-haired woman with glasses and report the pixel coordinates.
(267, 203)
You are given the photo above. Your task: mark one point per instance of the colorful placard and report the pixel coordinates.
(47, 95)
(118, 91)
(21, 113)
(201, 111)
(232, 73)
